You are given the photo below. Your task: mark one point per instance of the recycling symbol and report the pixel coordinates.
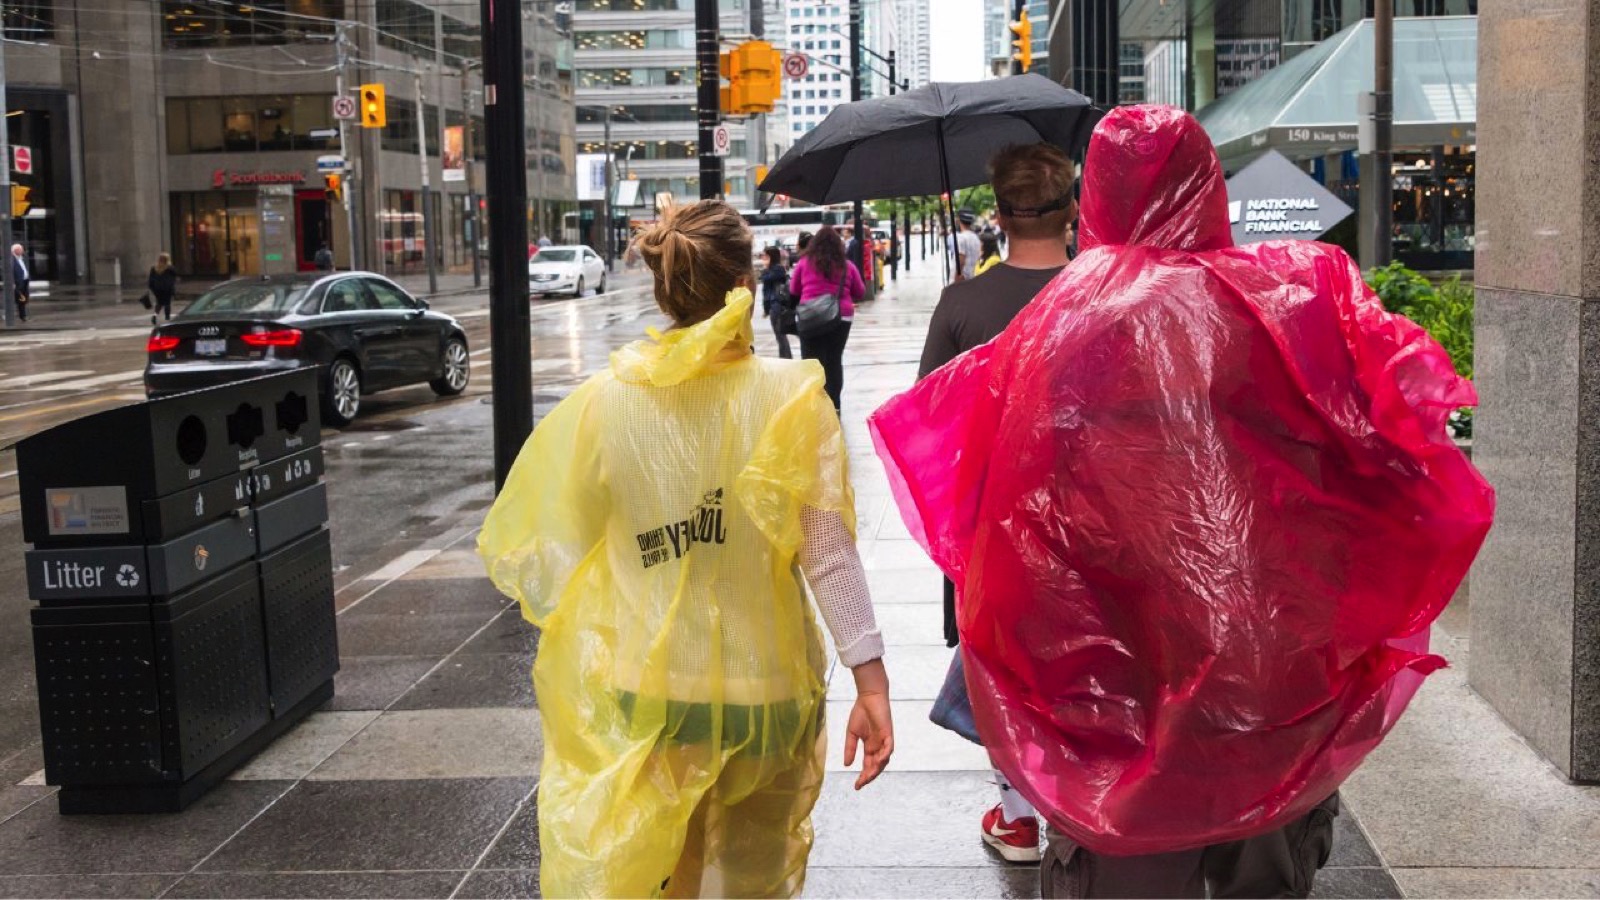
(128, 576)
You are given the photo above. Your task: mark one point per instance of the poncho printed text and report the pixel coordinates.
(670, 542)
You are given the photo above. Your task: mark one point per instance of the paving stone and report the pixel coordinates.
(318, 884)
(421, 634)
(85, 886)
(916, 820)
(420, 596)
(1499, 882)
(1355, 884)
(374, 682)
(500, 884)
(444, 743)
(508, 633)
(518, 846)
(915, 673)
(475, 680)
(906, 624)
(1020, 882)
(292, 756)
(351, 826)
(41, 841)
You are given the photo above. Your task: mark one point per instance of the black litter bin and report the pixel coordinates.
(184, 578)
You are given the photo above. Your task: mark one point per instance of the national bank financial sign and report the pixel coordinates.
(1272, 199)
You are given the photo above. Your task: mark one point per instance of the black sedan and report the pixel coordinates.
(362, 332)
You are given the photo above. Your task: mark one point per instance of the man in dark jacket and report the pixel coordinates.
(19, 272)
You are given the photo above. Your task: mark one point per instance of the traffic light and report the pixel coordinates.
(1023, 29)
(374, 112)
(333, 187)
(754, 71)
(20, 200)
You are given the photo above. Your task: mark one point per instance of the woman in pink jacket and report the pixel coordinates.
(824, 270)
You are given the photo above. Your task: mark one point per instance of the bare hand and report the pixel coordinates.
(870, 723)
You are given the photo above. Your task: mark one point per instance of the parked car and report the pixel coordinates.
(360, 331)
(570, 269)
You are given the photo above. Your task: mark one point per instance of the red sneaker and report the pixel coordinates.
(1017, 841)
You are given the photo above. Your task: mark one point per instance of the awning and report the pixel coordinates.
(1308, 106)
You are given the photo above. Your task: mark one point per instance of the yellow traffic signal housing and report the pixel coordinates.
(757, 77)
(21, 200)
(333, 187)
(374, 109)
(1023, 29)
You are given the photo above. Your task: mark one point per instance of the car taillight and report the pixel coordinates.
(161, 343)
(287, 337)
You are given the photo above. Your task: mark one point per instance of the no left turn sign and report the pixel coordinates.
(795, 65)
(721, 141)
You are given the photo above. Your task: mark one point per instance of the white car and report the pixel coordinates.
(566, 270)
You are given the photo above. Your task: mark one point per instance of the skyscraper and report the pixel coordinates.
(916, 36)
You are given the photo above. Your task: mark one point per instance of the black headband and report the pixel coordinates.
(1033, 212)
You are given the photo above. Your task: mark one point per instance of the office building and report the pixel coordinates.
(914, 28)
(195, 127)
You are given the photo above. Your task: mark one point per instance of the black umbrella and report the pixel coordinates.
(929, 141)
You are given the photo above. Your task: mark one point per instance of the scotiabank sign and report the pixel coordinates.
(223, 178)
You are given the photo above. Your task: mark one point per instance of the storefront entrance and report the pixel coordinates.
(216, 233)
(313, 227)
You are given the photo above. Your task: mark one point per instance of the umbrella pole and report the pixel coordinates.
(947, 210)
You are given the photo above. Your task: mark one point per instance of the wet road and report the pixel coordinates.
(408, 460)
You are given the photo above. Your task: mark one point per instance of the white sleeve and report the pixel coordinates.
(832, 567)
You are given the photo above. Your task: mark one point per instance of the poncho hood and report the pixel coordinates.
(1152, 179)
(684, 353)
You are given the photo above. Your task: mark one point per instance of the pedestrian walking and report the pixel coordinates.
(988, 253)
(826, 287)
(965, 246)
(162, 283)
(323, 259)
(1033, 187)
(1202, 507)
(19, 273)
(650, 529)
(775, 301)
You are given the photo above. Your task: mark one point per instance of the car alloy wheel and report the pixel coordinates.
(457, 369)
(580, 290)
(344, 389)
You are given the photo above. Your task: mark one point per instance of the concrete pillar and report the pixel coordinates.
(1535, 595)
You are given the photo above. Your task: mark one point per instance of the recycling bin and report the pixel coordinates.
(183, 573)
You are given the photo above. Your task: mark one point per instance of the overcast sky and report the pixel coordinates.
(957, 27)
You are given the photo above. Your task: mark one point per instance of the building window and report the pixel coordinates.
(222, 23)
(461, 39)
(249, 124)
(400, 134)
(407, 27)
(633, 5)
(677, 113)
(664, 39)
(30, 20)
(643, 77)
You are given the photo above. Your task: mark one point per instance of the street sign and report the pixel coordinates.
(721, 141)
(330, 164)
(22, 160)
(344, 107)
(323, 134)
(796, 65)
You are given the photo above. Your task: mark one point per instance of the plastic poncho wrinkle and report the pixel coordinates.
(650, 528)
(1202, 511)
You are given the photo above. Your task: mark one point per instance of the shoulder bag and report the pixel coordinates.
(820, 315)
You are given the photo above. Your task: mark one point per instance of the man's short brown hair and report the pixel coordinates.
(1029, 177)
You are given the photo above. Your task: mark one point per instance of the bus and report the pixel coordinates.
(781, 227)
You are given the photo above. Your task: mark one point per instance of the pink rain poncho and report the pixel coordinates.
(1200, 505)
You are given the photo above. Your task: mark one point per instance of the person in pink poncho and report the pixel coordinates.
(1200, 507)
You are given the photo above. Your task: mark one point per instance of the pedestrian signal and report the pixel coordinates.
(333, 187)
(1023, 29)
(21, 200)
(374, 112)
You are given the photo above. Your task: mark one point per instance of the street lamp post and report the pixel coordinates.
(611, 253)
(425, 195)
(708, 111)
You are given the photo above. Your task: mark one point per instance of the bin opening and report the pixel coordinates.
(293, 411)
(245, 424)
(191, 440)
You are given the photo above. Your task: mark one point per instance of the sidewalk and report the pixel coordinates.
(419, 778)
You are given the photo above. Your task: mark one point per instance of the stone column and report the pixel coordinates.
(1535, 594)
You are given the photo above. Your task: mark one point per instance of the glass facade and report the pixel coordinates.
(216, 233)
(30, 20)
(249, 124)
(222, 23)
(658, 39)
(645, 77)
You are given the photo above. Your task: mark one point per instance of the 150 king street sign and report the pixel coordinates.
(1272, 199)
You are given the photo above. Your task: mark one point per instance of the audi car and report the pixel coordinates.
(566, 270)
(360, 331)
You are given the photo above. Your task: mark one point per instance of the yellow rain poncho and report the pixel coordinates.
(650, 528)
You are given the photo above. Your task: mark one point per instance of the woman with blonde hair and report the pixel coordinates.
(655, 528)
(163, 286)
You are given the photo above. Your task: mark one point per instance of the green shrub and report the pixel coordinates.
(1444, 310)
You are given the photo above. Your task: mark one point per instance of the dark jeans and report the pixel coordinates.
(1281, 863)
(163, 306)
(828, 349)
(776, 318)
